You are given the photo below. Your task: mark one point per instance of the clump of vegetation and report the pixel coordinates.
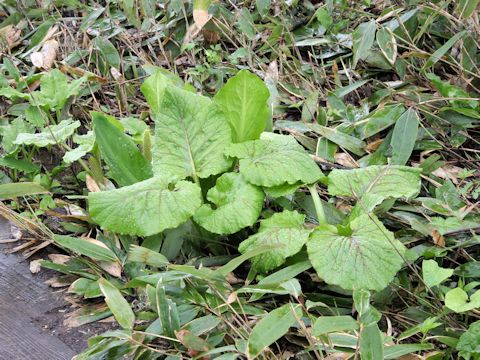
(255, 180)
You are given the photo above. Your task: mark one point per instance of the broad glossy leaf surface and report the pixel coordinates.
(236, 204)
(145, 208)
(275, 160)
(367, 258)
(283, 230)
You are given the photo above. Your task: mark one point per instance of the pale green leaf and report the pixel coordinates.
(433, 274)
(371, 343)
(274, 160)
(85, 144)
(346, 141)
(244, 101)
(51, 135)
(285, 232)
(362, 39)
(125, 161)
(469, 343)
(272, 327)
(191, 135)
(404, 137)
(373, 184)
(397, 351)
(457, 300)
(145, 208)
(387, 43)
(91, 248)
(146, 256)
(379, 120)
(117, 304)
(442, 50)
(12, 190)
(363, 256)
(10, 132)
(465, 8)
(236, 204)
(326, 324)
(153, 88)
(107, 51)
(55, 90)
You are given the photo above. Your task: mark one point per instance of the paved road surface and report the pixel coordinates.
(23, 297)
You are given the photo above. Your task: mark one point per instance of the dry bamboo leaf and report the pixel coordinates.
(448, 172)
(9, 36)
(113, 268)
(59, 258)
(44, 58)
(438, 238)
(35, 266)
(92, 186)
(345, 160)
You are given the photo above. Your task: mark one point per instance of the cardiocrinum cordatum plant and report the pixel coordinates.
(211, 165)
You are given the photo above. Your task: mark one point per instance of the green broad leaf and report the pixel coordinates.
(10, 132)
(125, 161)
(12, 190)
(237, 261)
(153, 88)
(166, 310)
(145, 208)
(236, 204)
(285, 232)
(274, 160)
(107, 51)
(55, 90)
(326, 324)
(379, 120)
(404, 137)
(191, 135)
(373, 184)
(51, 135)
(451, 91)
(272, 327)
(466, 8)
(442, 50)
(371, 343)
(347, 142)
(91, 248)
(433, 274)
(117, 304)
(468, 345)
(282, 190)
(457, 300)
(362, 39)
(396, 351)
(387, 43)
(146, 256)
(364, 256)
(85, 145)
(244, 101)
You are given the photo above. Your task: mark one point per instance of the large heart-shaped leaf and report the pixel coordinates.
(457, 300)
(363, 256)
(237, 204)
(145, 208)
(274, 160)
(191, 135)
(374, 184)
(285, 231)
(244, 101)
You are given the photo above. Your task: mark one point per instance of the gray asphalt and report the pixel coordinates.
(23, 297)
